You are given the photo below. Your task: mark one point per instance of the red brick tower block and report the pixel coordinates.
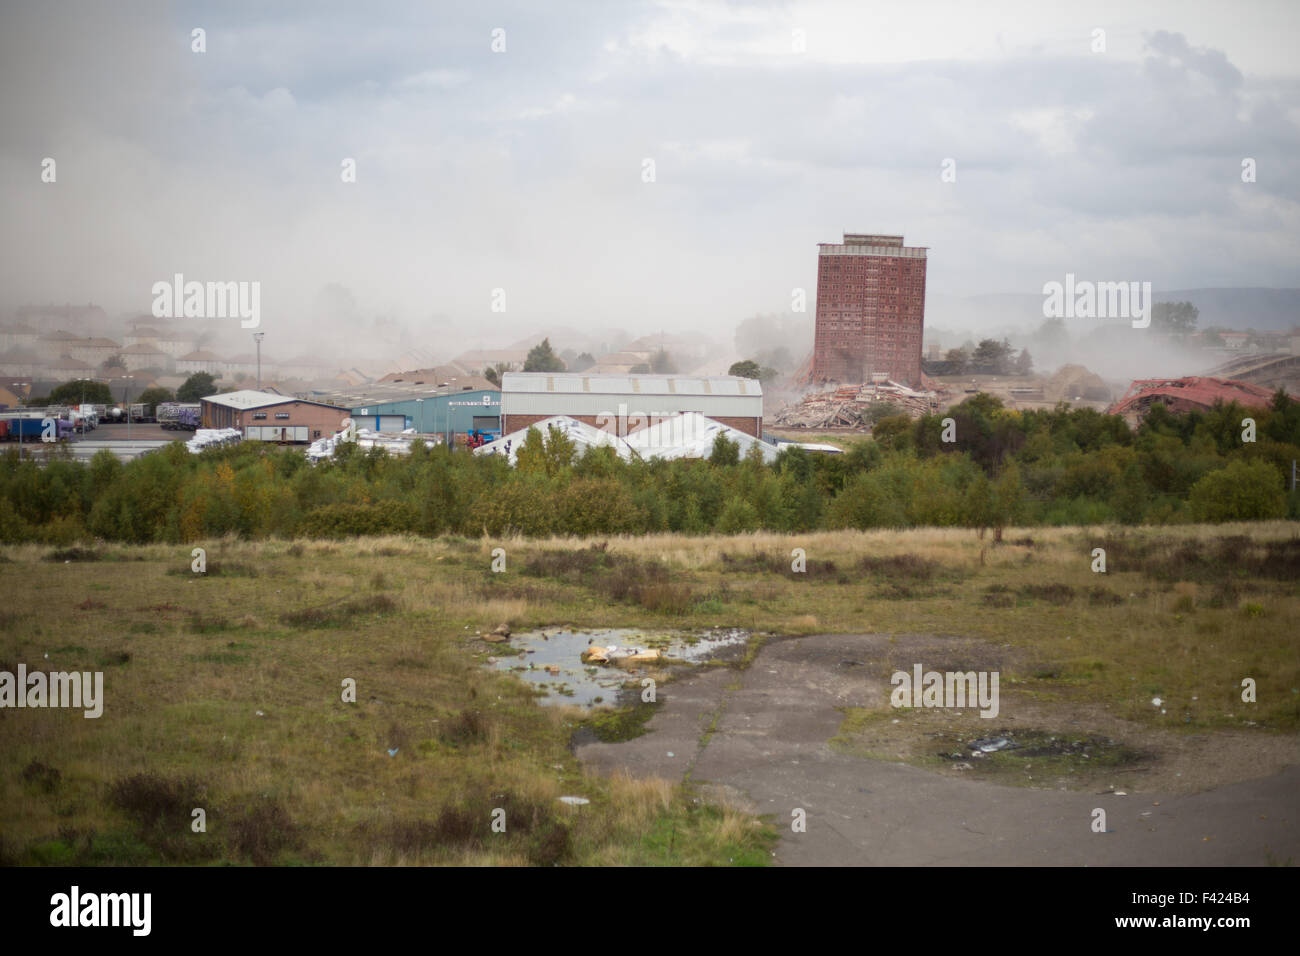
(870, 311)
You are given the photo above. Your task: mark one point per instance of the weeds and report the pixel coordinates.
(340, 613)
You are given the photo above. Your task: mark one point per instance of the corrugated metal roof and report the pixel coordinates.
(612, 384)
(395, 392)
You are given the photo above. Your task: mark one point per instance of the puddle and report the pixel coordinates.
(1021, 744)
(551, 660)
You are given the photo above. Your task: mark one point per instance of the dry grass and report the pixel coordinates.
(227, 684)
(204, 656)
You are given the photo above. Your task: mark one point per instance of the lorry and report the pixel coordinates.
(33, 428)
(178, 416)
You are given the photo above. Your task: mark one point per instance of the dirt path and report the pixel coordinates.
(760, 738)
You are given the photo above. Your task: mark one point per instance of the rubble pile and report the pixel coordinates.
(848, 407)
(1072, 383)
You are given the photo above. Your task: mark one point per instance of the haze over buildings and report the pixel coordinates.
(524, 170)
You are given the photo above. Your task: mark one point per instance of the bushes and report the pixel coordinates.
(593, 506)
(351, 520)
(1063, 466)
(738, 515)
(1243, 491)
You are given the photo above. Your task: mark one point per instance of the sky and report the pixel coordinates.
(771, 127)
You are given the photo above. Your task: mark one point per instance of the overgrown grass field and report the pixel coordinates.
(224, 691)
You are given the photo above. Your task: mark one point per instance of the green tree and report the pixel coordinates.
(725, 451)
(493, 373)
(114, 361)
(992, 357)
(1242, 491)
(747, 368)
(893, 432)
(959, 359)
(81, 390)
(542, 358)
(545, 455)
(1024, 363)
(197, 386)
(738, 516)
(155, 395)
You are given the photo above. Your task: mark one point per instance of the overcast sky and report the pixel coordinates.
(523, 169)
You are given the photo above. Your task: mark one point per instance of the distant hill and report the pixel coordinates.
(1244, 308)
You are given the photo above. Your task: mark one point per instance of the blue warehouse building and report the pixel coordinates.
(437, 411)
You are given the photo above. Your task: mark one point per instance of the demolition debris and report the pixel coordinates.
(857, 406)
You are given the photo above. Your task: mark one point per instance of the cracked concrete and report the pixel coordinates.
(770, 753)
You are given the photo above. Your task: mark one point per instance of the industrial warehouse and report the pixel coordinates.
(625, 403)
(263, 416)
(456, 410)
(639, 415)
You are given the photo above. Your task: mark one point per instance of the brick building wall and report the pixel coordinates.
(320, 420)
(512, 423)
(870, 317)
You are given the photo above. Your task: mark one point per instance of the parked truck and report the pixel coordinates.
(178, 416)
(34, 429)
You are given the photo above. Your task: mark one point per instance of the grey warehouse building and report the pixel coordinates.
(626, 403)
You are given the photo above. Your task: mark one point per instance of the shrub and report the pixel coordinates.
(1242, 491)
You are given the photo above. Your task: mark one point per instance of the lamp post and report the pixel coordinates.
(126, 392)
(257, 337)
(20, 426)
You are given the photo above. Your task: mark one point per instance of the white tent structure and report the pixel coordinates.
(580, 433)
(691, 435)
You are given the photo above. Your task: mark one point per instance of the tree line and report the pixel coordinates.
(1002, 467)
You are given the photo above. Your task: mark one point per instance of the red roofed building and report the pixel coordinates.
(1193, 393)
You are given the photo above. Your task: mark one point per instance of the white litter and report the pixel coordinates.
(205, 438)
